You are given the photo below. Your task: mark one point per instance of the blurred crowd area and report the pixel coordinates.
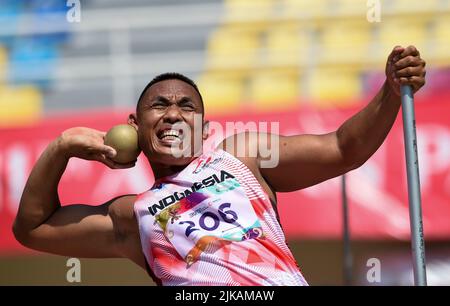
(264, 54)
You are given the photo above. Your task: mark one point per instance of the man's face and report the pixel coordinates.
(165, 120)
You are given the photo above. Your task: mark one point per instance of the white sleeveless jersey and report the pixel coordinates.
(213, 224)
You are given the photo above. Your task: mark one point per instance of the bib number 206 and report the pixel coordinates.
(225, 214)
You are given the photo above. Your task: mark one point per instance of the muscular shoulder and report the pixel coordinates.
(243, 146)
(246, 147)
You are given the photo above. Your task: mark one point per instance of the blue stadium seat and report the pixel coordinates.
(32, 61)
(9, 16)
(51, 13)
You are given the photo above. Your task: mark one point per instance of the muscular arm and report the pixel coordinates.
(74, 230)
(306, 160)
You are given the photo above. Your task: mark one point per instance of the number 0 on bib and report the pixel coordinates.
(208, 218)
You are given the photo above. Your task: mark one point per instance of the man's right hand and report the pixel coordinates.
(76, 230)
(88, 144)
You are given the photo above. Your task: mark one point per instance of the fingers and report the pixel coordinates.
(396, 52)
(393, 57)
(410, 71)
(108, 151)
(102, 148)
(409, 61)
(410, 50)
(415, 81)
(112, 164)
(405, 67)
(96, 148)
(400, 53)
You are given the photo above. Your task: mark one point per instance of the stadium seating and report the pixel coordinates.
(305, 9)
(287, 46)
(407, 6)
(350, 8)
(273, 89)
(19, 105)
(334, 87)
(329, 42)
(221, 93)
(252, 52)
(344, 42)
(32, 61)
(3, 64)
(28, 60)
(440, 41)
(231, 48)
(402, 32)
(243, 12)
(9, 17)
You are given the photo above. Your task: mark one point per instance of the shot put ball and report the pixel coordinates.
(124, 139)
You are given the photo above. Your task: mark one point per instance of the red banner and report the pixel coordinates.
(377, 192)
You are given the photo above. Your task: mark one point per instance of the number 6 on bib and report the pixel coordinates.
(207, 219)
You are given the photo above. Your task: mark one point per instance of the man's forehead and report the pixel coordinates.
(172, 88)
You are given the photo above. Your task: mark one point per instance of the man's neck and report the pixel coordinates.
(162, 170)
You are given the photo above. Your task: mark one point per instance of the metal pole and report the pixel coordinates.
(348, 260)
(412, 171)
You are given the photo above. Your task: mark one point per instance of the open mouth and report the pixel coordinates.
(170, 135)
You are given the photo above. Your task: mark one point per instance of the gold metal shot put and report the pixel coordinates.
(124, 139)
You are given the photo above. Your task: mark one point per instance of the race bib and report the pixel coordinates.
(209, 218)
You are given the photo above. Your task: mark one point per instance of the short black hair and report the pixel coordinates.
(170, 76)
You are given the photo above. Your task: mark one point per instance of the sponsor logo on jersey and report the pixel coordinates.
(177, 196)
(203, 163)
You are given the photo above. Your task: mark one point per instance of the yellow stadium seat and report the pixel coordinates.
(255, 12)
(401, 32)
(3, 64)
(351, 7)
(272, 90)
(19, 106)
(344, 42)
(330, 87)
(287, 46)
(440, 41)
(230, 48)
(221, 94)
(305, 8)
(409, 6)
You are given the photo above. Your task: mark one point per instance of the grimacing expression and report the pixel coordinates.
(165, 107)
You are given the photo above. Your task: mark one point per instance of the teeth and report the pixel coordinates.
(173, 133)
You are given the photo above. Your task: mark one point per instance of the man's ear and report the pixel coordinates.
(132, 120)
(205, 133)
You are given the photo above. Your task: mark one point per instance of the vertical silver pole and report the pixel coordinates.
(348, 260)
(412, 171)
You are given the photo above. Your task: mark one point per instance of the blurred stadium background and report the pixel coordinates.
(306, 64)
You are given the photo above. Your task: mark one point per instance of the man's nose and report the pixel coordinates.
(173, 114)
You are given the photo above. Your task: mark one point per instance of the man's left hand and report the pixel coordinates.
(405, 67)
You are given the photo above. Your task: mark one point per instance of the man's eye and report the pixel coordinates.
(188, 107)
(158, 105)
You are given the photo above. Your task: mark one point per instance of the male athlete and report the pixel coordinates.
(207, 220)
